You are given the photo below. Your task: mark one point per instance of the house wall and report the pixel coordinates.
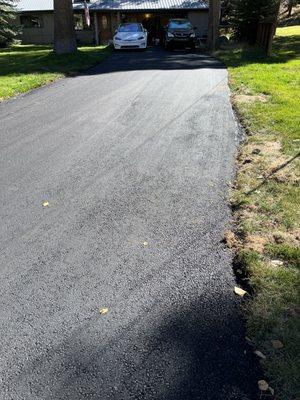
(42, 35)
(199, 19)
(45, 34)
(107, 23)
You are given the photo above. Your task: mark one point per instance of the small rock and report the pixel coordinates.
(277, 344)
(263, 385)
(256, 151)
(247, 161)
(277, 263)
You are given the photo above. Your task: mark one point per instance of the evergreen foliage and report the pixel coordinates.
(245, 15)
(8, 30)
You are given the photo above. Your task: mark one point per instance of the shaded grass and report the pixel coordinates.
(266, 96)
(27, 67)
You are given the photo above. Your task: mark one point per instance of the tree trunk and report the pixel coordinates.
(64, 30)
(213, 23)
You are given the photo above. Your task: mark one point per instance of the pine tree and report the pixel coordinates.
(8, 30)
(245, 15)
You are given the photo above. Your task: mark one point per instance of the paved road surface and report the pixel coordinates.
(134, 158)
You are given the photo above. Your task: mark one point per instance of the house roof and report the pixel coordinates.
(148, 4)
(42, 5)
(98, 5)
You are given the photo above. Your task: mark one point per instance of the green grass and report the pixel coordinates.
(26, 67)
(266, 95)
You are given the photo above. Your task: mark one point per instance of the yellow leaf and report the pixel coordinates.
(46, 204)
(103, 310)
(239, 291)
(263, 385)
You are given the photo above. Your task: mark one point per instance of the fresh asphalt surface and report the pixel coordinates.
(135, 159)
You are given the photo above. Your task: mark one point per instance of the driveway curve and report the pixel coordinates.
(135, 158)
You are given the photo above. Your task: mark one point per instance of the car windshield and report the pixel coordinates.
(180, 24)
(130, 28)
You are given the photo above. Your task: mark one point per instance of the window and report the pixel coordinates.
(31, 21)
(79, 22)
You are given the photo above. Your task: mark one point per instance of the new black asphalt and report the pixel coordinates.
(135, 159)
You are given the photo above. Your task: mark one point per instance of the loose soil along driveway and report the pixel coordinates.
(134, 159)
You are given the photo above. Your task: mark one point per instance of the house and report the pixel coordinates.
(36, 18)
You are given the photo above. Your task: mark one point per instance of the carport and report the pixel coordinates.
(154, 15)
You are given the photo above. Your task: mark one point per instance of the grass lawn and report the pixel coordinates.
(266, 201)
(27, 67)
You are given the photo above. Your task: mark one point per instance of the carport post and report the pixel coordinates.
(118, 17)
(96, 29)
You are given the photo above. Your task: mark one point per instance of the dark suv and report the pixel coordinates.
(179, 33)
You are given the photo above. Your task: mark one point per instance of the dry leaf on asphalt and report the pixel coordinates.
(277, 344)
(263, 385)
(260, 354)
(239, 291)
(46, 204)
(103, 310)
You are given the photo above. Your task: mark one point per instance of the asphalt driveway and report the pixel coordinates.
(135, 158)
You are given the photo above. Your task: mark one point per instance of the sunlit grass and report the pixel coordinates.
(27, 67)
(266, 94)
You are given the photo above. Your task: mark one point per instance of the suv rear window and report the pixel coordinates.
(180, 24)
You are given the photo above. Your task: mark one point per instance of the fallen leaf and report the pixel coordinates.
(103, 310)
(260, 354)
(249, 341)
(277, 344)
(263, 385)
(272, 391)
(239, 291)
(45, 204)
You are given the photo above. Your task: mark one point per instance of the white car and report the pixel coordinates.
(130, 36)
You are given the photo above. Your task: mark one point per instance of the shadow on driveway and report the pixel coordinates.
(193, 353)
(154, 58)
